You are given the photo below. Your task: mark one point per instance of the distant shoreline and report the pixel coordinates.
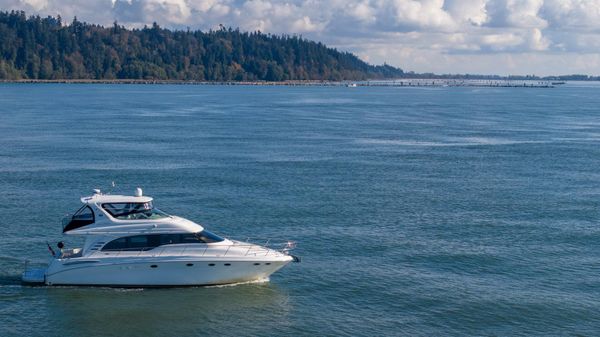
(404, 82)
(182, 82)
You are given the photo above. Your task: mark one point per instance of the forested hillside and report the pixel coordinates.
(46, 48)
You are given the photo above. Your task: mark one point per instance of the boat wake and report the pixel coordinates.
(259, 281)
(10, 280)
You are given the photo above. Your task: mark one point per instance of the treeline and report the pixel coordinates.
(45, 48)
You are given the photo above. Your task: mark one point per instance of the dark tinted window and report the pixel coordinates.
(169, 239)
(83, 217)
(147, 242)
(118, 244)
(84, 214)
(134, 211)
(208, 237)
(189, 238)
(140, 241)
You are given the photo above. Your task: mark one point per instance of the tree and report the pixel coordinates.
(43, 48)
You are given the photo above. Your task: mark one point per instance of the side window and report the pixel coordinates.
(147, 242)
(118, 244)
(133, 243)
(136, 242)
(83, 217)
(153, 240)
(169, 239)
(208, 237)
(84, 214)
(189, 238)
(116, 210)
(134, 211)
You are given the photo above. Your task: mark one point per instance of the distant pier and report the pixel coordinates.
(458, 83)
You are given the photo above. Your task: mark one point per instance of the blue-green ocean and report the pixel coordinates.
(416, 211)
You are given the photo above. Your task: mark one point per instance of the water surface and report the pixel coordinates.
(417, 211)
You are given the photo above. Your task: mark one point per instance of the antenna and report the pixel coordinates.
(112, 186)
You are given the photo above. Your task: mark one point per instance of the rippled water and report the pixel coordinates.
(417, 211)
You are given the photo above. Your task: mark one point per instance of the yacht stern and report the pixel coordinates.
(34, 276)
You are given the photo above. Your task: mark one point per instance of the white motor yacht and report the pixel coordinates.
(130, 243)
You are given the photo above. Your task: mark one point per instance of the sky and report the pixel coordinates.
(505, 37)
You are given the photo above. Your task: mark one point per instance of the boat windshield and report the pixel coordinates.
(134, 211)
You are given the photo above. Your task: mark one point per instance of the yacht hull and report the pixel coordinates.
(160, 272)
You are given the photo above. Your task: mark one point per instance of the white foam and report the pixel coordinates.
(259, 281)
(399, 142)
(322, 100)
(469, 141)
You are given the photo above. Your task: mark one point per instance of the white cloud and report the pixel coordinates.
(502, 41)
(304, 25)
(362, 11)
(525, 13)
(467, 11)
(423, 35)
(36, 4)
(172, 11)
(537, 41)
(424, 14)
(573, 14)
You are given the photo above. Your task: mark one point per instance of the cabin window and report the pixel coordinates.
(118, 244)
(169, 239)
(140, 241)
(151, 241)
(200, 237)
(131, 243)
(134, 211)
(189, 238)
(208, 237)
(83, 217)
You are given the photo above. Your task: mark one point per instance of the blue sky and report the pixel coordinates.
(504, 37)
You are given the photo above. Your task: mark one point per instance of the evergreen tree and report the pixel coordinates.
(43, 48)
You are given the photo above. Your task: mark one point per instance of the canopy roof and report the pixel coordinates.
(97, 220)
(110, 198)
